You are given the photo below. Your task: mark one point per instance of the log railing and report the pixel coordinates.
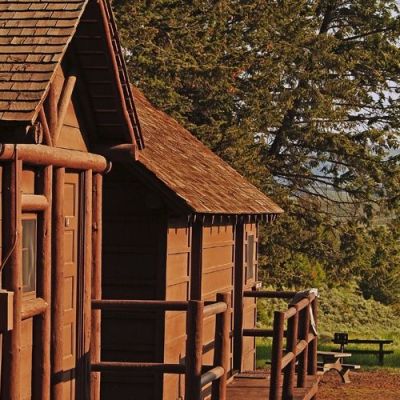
(301, 342)
(197, 375)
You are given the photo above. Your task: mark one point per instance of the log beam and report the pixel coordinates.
(45, 155)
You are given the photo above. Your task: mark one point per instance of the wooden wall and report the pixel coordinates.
(177, 288)
(134, 234)
(217, 273)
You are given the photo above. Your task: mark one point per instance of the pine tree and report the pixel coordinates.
(301, 96)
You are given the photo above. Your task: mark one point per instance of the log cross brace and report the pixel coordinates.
(57, 110)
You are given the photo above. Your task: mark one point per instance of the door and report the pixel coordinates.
(72, 268)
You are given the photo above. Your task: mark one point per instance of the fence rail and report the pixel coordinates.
(300, 346)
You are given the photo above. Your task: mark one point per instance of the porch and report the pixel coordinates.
(293, 373)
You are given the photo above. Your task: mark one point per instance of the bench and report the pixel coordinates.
(332, 360)
(342, 339)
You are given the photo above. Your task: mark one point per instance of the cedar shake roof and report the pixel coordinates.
(206, 183)
(34, 37)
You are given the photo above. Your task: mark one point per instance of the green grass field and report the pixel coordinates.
(343, 310)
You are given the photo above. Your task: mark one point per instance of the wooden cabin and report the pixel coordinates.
(123, 289)
(179, 224)
(64, 98)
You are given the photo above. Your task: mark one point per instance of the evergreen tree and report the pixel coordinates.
(301, 96)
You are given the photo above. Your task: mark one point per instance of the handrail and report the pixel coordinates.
(214, 309)
(135, 305)
(301, 347)
(269, 294)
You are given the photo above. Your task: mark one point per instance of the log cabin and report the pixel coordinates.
(179, 224)
(141, 287)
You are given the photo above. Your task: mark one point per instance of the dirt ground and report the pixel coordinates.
(365, 385)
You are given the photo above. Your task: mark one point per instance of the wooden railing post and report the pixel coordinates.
(312, 348)
(221, 351)
(194, 350)
(304, 329)
(290, 370)
(276, 357)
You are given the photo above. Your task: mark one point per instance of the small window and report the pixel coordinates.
(29, 254)
(250, 257)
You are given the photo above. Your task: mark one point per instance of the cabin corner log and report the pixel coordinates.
(58, 285)
(45, 155)
(95, 353)
(194, 350)
(13, 226)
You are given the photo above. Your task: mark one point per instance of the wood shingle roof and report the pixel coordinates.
(200, 178)
(34, 35)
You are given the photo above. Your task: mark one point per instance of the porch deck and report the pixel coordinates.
(254, 385)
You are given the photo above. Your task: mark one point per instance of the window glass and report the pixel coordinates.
(29, 242)
(250, 257)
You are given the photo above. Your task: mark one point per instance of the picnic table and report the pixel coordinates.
(333, 360)
(342, 339)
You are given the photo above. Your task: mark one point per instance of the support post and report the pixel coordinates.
(194, 350)
(222, 348)
(13, 279)
(276, 357)
(42, 323)
(289, 372)
(238, 298)
(196, 260)
(96, 283)
(58, 285)
(87, 279)
(304, 328)
(312, 348)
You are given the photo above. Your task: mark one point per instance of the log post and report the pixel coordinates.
(238, 298)
(304, 328)
(312, 348)
(42, 323)
(276, 356)
(222, 347)
(194, 350)
(96, 283)
(13, 279)
(196, 260)
(52, 110)
(87, 279)
(290, 370)
(58, 285)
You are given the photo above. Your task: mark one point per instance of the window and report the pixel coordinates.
(29, 253)
(250, 257)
